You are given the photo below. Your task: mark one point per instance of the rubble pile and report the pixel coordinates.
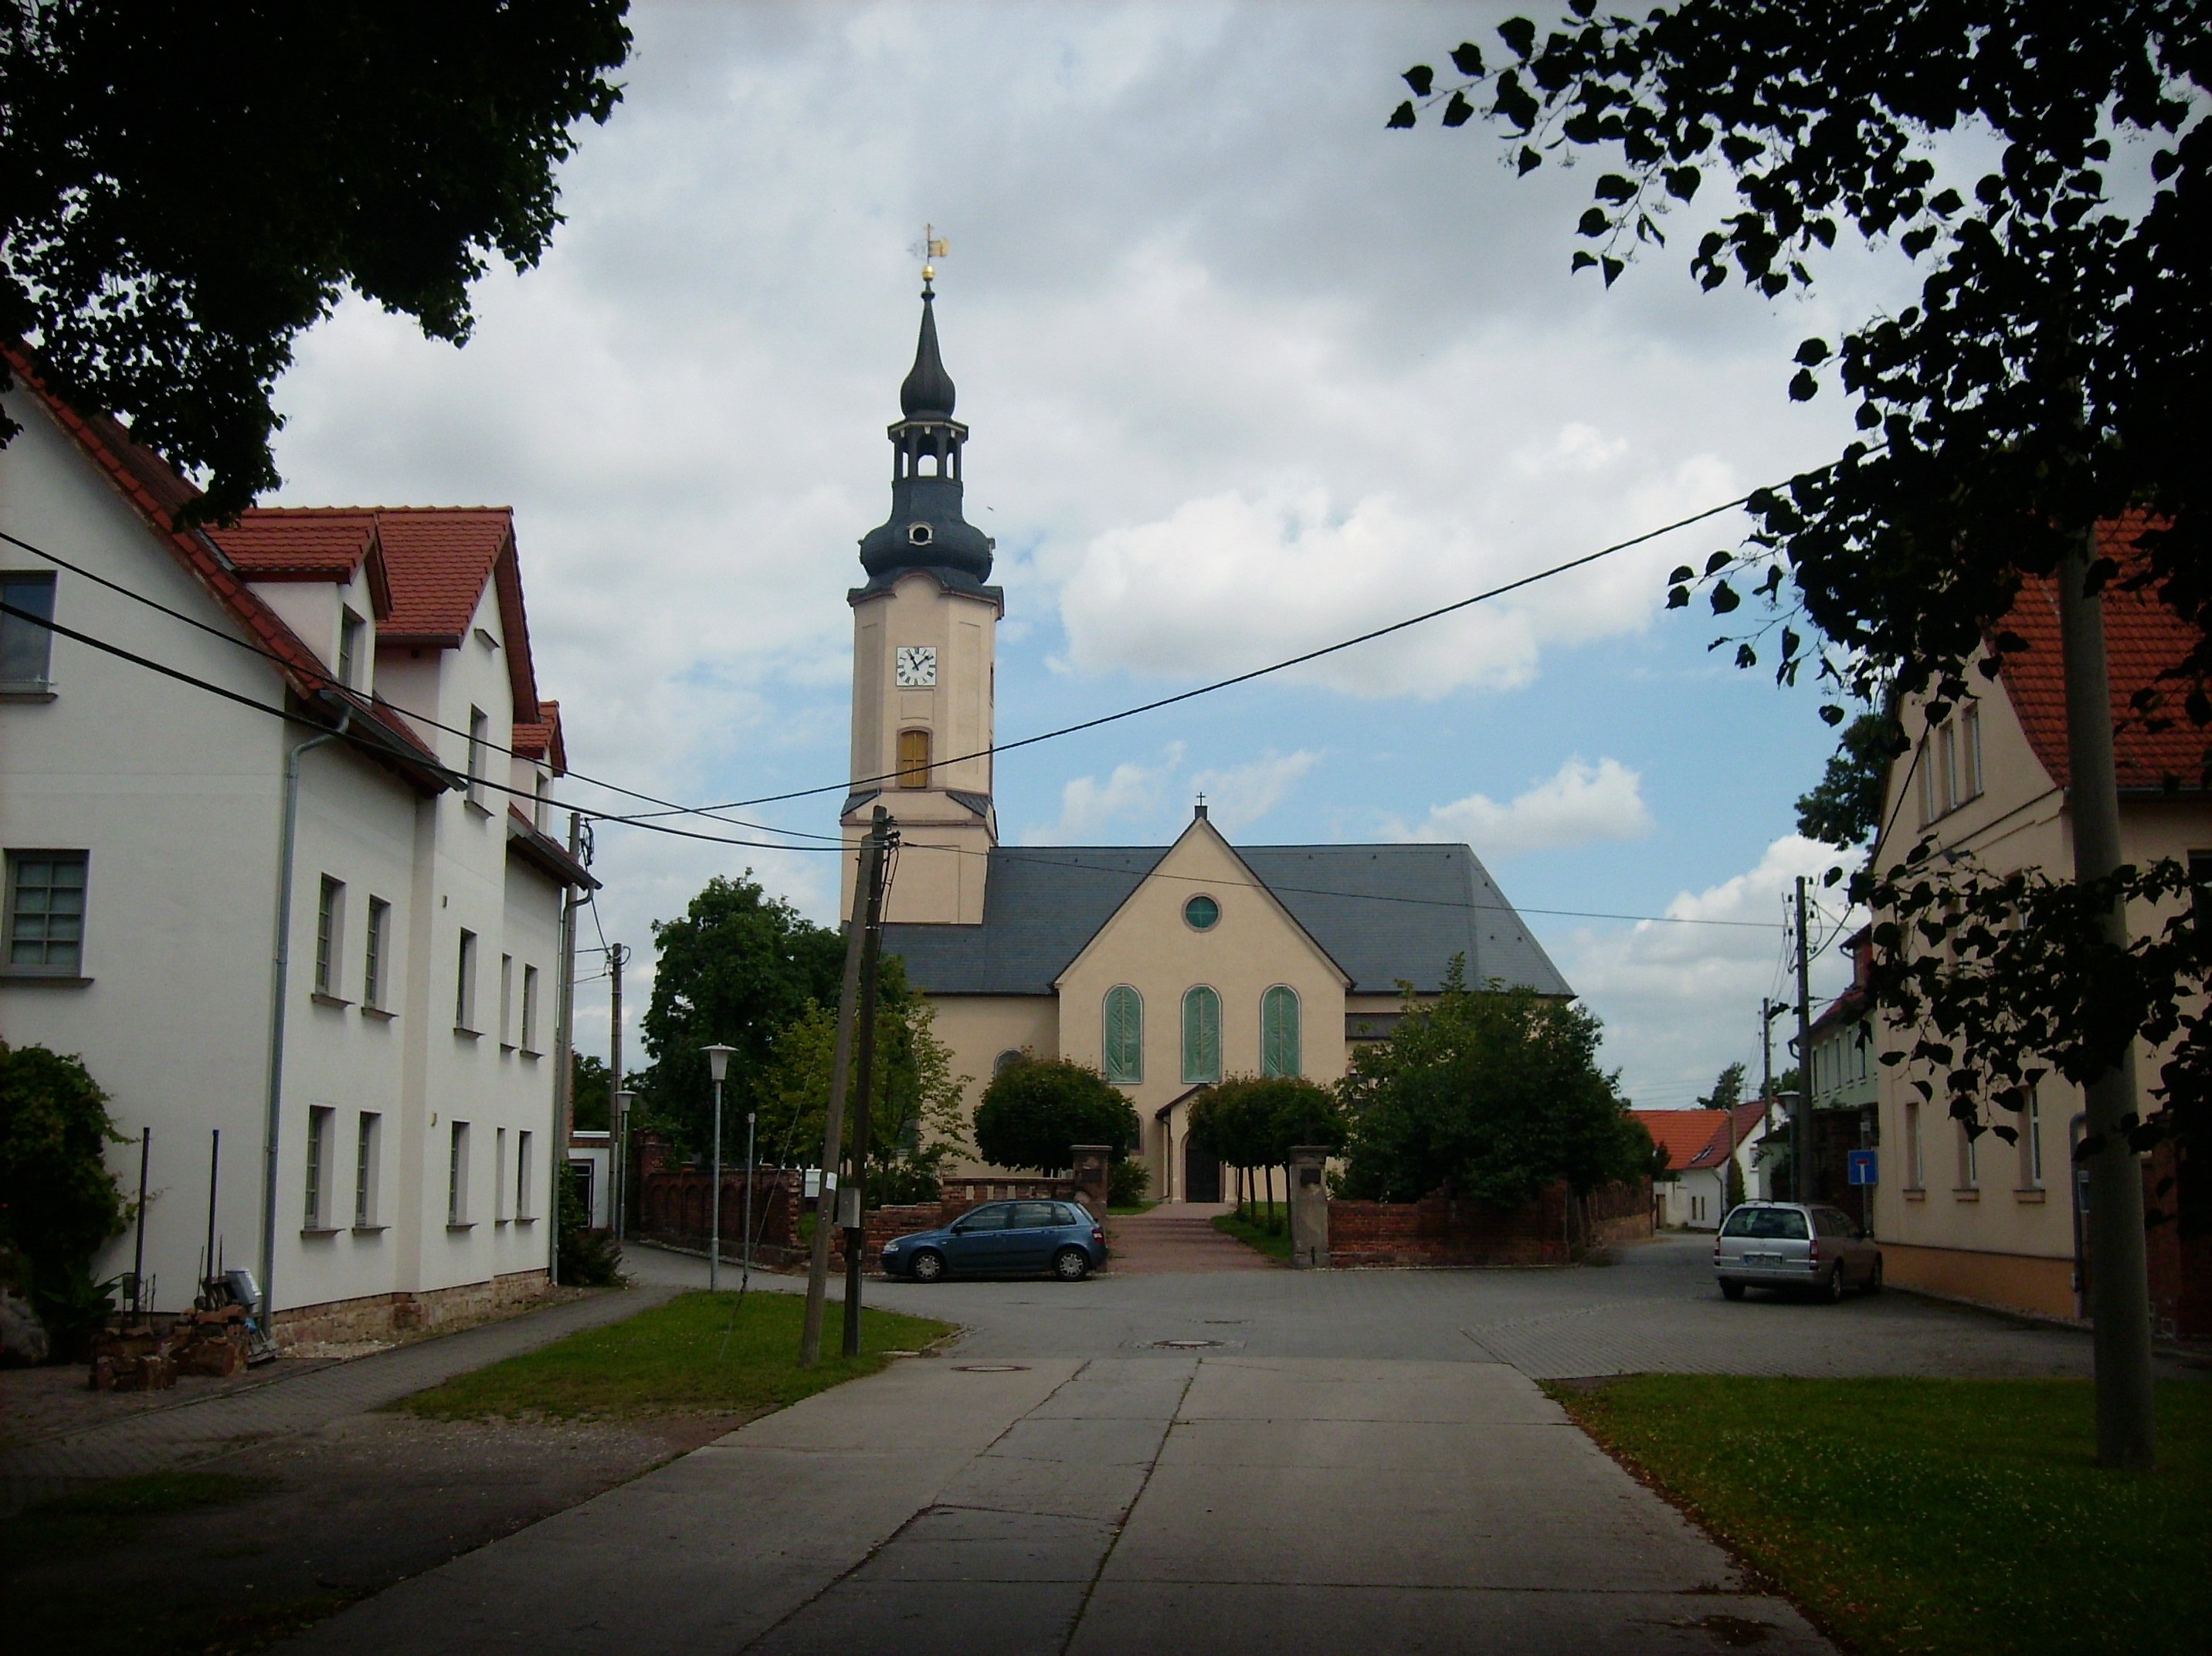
(138, 1357)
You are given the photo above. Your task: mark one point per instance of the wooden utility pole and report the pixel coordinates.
(1801, 1117)
(833, 1128)
(2119, 1289)
(617, 1140)
(864, 1065)
(564, 1057)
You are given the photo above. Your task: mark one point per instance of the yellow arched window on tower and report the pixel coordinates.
(913, 758)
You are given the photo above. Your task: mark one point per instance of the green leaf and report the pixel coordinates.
(1402, 116)
(1682, 182)
(1812, 353)
(1746, 656)
(1458, 111)
(1831, 714)
(1594, 222)
(1614, 187)
(1421, 78)
(1530, 161)
(1612, 268)
(1519, 33)
(1724, 599)
(1803, 385)
(1583, 260)
(1682, 572)
(1718, 562)
(1678, 598)
(1467, 58)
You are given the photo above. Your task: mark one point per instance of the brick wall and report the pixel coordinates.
(1553, 1229)
(387, 1316)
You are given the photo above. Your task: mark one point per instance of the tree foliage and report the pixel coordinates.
(918, 1119)
(186, 189)
(1728, 1089)
(1255, 1121)
(1845, 809)
(1491, 1093)
(591, 1092)
(734, 970)
(1034, 1111)
(2047, 169)
(59, 1204)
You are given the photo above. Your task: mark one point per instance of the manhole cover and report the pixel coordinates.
(1183, 1345)
(992, 1368)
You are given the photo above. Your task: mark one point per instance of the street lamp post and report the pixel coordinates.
(619, 1103)
(745, 1281)
(717, 1065)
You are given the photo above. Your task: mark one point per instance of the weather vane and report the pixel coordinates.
(931, 246)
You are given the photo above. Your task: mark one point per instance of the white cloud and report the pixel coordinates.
(1679, 1000)
(1088, 806)
(1241, 795)
(1580, 804)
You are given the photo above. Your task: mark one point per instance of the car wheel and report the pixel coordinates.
(1833, 1289)
(1070, 1264)
(927, 1266)
(1872, 1284)
(1731, 1290)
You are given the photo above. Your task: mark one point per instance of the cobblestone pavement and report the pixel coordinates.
(166, 1438)
(1178, 1238)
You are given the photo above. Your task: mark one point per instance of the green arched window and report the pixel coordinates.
(1202, 1035)
(1124, 1035)
(1278, 1032)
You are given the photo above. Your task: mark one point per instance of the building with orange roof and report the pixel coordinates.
(1700, 1145)
(1970, 1215)
(276, 805)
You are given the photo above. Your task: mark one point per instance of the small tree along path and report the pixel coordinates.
(1176, 1237)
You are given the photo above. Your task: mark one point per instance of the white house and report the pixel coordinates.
(1699, 1145)
(370, 1086)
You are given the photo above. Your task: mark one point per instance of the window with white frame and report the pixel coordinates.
(523, 1185)
(1951, 764)
(479, 754)
(529, 1008)
(1970, 1172)
(46, 913)
(377, 953)
(368, 1144)
(26, 648)
(2031, 1142)
(499, 1177)
(505, 998)
(1915, 1169)
(352, 630)
(464, 985)
(457, 1174)
(329, 935)
(314, 1216)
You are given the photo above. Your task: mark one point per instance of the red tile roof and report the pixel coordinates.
(525, 841)
(281, 546)
(152, 485)
(1698, 1138)
(541, 738)
(2142, 638)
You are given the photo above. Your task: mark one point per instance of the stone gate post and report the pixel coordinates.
(1308, 1208)
(1090, 1164)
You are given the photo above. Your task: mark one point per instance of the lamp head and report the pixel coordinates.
(718, 1061)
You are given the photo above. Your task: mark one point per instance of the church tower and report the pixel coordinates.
(924, 635)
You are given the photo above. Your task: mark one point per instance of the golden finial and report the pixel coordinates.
(933, 247)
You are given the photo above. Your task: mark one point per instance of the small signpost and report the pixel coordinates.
(1862, 1167)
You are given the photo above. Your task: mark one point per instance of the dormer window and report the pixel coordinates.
(351, 627)
(918, 534)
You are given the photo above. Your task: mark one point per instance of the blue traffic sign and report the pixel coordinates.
(1862, 1167)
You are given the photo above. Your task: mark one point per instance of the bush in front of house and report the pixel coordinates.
(59, 1204)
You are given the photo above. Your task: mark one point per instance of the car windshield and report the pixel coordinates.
(1766, 1224)
(992, 1218)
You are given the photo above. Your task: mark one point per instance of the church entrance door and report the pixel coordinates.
(1202, 1175)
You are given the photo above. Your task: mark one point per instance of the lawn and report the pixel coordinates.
(699, 1353)
(1253, 1233)
(1928, 1515)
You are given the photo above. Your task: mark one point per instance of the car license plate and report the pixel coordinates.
(1762, 1259)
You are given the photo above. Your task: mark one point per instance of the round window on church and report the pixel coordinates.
(1200, 912)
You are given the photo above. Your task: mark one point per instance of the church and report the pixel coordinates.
(1164, 967)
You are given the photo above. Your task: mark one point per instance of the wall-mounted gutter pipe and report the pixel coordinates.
(278, 999)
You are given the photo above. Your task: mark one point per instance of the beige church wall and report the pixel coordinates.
(956, 713)
(1148, 945)
(977, 1028)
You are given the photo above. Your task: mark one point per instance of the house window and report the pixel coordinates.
(1915, 1169)
(522, 1182)
(351, 628)
(464, 985)
(499, 1177)
(318, 1161)
(371, 975)
(46, 913)
(541, 809)
(2200, 889)
(457, 1175)
(529, 1008)
(1124, 1035)
(330, 922)
(367, 1139)
(1201, 913)
(506, 998)
(1278, 1032)
(1969, 1159)
(1970, 752)
(26, 648)
(2031, 1144)
(479, 751)
(1006, 1061)
(1202, 1035)
(913, 758)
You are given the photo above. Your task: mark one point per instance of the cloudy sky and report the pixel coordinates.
(1245, 374)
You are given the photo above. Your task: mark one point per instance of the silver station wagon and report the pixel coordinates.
(1791, 1244)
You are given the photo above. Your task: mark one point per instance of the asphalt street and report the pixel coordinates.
(1236, 1460)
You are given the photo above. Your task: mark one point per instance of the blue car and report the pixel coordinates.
(1003, 1239)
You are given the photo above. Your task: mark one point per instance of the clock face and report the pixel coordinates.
(917, 665)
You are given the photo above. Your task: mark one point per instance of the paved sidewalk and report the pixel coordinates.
(164, 1440)
(1125, 1505)
(1178, 1238)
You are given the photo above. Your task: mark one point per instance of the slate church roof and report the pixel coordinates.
(1384, 913)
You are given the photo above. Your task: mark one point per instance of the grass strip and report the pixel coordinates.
(698, 1354)
(1934, 1515)
(1253, 1234)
